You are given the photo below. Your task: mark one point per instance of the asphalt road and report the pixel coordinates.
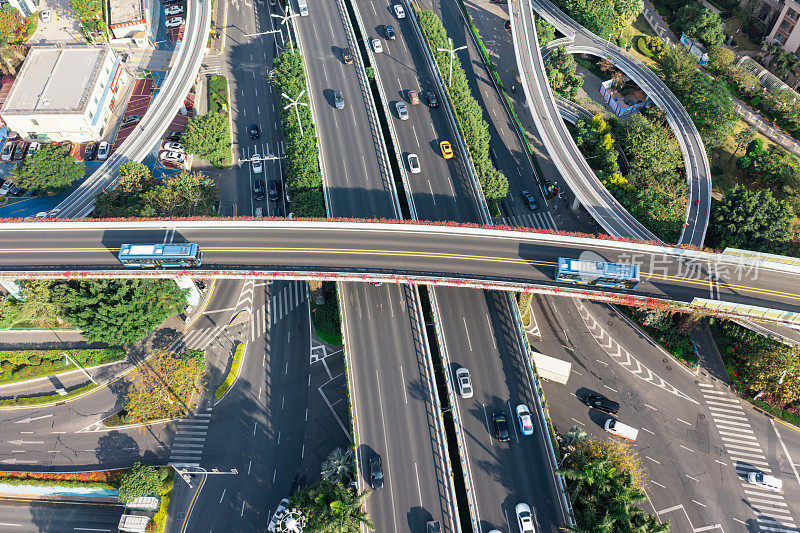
(32, 516)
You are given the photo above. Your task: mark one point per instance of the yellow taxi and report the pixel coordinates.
(447, 150)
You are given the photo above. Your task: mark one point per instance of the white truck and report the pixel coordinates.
(302, 5)
(621, 430)
(552, 368)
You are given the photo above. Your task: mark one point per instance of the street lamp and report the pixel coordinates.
(71, 360)
(284, 19)
(452, 51)
(185, 473)
(296, 103)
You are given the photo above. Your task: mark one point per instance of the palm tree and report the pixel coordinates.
(338, 467)
(347, 514)
(574, 436)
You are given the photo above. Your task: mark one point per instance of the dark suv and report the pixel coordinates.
(375, 472)
(89, 151)
(255, 132)
(274, 190)
(529, 199)
(601, 403)
(258, 189)
(19, 150)
(432, 101)
(501, 426)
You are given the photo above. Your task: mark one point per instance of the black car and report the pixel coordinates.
(347, 56)
(258, 189)
(375, 472)
(431, 97)
(255, 132)
(528, 198)
(501, 426)
(174, 136)
(19, 150)
(601, 403)
(389, 32)
(16, 190)
(276, 212)
(274, 190)
(89, 151)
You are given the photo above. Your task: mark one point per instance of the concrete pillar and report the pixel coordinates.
(12, 287)
(575, 204)
(193, 296)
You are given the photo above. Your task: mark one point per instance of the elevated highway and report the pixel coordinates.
(411, 253)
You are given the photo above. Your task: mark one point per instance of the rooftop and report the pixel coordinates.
(126, 11)
(55, 80)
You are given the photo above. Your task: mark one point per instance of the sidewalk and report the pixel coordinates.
(710, 360)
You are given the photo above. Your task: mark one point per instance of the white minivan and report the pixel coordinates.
(621, 430)
(765, 480)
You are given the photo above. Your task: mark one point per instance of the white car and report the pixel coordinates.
(413, 164)
(174, 22)
(377, 47)
(257, 164)
(399, 11)
(5, 187)
(464, 382)
(765, 480)
(525, 518)
(103, 150)
(173, 157)
(402, 110)
(172, 146)
(45, 15)
(8, 150)
(174, 9)
(33, 148)
(273, 521)
(525, 419)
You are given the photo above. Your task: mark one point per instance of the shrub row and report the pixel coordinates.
(46, 398)
(109, 479)
(27, 364)
(232, 373)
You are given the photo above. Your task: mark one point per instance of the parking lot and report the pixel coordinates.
(62, 28)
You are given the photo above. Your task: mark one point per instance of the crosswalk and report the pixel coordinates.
(187, 448)
(198, 339)
(282, 303)
(773, 514)
(530, 220)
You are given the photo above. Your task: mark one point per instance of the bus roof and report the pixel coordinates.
(598, 268)
(158, 250)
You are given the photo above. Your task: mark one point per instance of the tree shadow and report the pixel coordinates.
(116, 448)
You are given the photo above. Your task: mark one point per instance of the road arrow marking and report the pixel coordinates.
(29, 420)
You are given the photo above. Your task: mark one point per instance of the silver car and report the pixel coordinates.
(464, 382)
(402, 110)
(338, 100)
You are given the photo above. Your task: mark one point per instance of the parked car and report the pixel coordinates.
(273, 521)
(89, 151)
(45, 15)
(389, 31)
(33, 148)
(257, 164)
(447, 149)
(130, 119)
(174, 136)
(399, 11)
(274, 190)
(347, 56)
(413, 97)
(377, 47)
(172, 157)
(16, 190)
(19, 150)
(402, 110)
(104, 149)
(501, 426)
(464, 381)
(413, 164)
(375, 472)
(255, 131)
(601, 403)
(525, 518)
(338, 99)
(8, 150)
(173, 9)
(5, 187)
(525, 419)
(258, 189)
(765, 480)
(174, 22)
(529, 199)
(431, 97)
(173, 146)
(432, 526)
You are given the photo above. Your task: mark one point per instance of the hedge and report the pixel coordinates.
(232, 373)
(27, 364)
(47, 398)
(109, 479)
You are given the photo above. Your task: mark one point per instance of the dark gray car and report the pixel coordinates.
(338, 100)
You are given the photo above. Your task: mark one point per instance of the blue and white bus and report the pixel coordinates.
(165, 255)
(582, 272)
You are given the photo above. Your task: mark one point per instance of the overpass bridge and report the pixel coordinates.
(733, 284)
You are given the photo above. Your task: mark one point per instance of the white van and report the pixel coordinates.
(621, 430)
(765, 480)
(303, 7)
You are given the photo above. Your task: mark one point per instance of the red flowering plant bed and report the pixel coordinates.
(108, 479)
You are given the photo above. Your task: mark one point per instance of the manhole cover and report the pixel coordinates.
(610, 323)
(701, 416)
(663, 359)
(669, 368)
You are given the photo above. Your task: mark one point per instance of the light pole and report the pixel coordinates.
(200, 470)
(452, 51)
(261, 33)
(284, 19)
(295, 103)
(71, 360)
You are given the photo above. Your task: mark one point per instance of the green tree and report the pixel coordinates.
(545, 31)
(208, 137)
(182, 195)
(561, 73)
(9, 22)
(347, 511)
(120, 312)
(743, 138)
(678, 68)
(598, 16)
(133, 176)
(749, 219)
(338, 466)
(628, 9)
(699, 22)
(710, 105)
(50, 169)
(720, 58)
(651, 148)
(84, 9)
(139, 480)
(332, 507)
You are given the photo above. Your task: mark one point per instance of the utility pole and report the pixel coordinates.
(295, 103)
(452, 51)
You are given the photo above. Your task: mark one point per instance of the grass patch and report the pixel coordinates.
(109, 479)
(741, 41)
(234, 370)
(325, 318)
(30, 313)
(725, 175)
(46, 398)
(217, 93)
(632, 35)
(165, 494)
(27, 364)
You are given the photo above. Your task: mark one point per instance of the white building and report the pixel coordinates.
(26, 7)
(130, 19)
(64, 93)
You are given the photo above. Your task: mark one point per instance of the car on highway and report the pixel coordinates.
(104, 148)
(413, 97)
(525, 419)
(413, 164)
(765, 480)
(19, 150)
(127, 121)
(430, 96)
(402, 110)
(389, 32)
(601, 403)
(399, 11)
(338, 99)
(377, 47)
(174, 22)
(501, 426)
(258, 189)
(255, 131)
(172, 157)
(257, 164)
(8, 150)
(45, 15)
(274, 190)
(447, 149)
(33, 148)
(174, 9)
(173, 146)
(524, 518)
(89, 151)
(347, 56)
(375, 472)
(464, 381)
(273, 521)
(529, 199)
